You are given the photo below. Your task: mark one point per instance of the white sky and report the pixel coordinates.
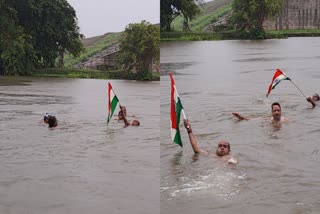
(97, 17)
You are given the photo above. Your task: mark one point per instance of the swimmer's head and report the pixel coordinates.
(46, 117)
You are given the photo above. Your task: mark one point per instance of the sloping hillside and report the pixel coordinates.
(87, 42)
(211, 12)
(93, 46)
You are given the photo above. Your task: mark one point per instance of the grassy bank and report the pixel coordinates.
(93, 48)
(293, 33)
(88, 74)
(205, 18)
(227, 35)
(192, 36)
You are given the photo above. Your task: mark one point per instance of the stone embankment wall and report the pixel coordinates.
(296, 14)
(108, 58)
(104, 57)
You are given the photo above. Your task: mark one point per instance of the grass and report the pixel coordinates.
(202, 20)
(230, 34)
(87, 74)
(99, 46)
(293, 33)
(71, 73)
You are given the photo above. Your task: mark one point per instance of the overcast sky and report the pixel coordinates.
(97, 17)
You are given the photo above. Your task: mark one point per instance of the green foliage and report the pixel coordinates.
(195, 36)
(107, 41)
(88, 74)
(71, 73)
(17, 57)
(232, 34)
(35, 32)
(293, 33)
(248, 17)
(139, 48)
(170, 9)
(202, 20)
(168, 13)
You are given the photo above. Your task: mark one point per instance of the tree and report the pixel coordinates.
(249, 15)
(168, 13)
(16, 53)
(53, 25)
(35, 32)
(140, 48)
(189, 10)
(170, 9)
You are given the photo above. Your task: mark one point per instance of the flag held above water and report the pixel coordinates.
(277, 77)
(175, 111)
(112, 102)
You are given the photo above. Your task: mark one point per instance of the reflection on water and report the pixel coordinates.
(83, 165)
(278, 162)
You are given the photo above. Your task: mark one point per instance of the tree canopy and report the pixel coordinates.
(140, 48)
(35, 33)
(170, 9)
(249, 15)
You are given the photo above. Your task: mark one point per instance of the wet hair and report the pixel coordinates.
(52, 121)
(275, 104)
(317, 96)
(46, 116)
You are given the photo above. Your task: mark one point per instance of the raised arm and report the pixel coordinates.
(237, 115)
(192, 139)
(126, 122)
(309, 99)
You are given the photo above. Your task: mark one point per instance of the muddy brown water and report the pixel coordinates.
(83, 165)
(279, 166)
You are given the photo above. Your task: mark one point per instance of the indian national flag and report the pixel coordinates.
(175, 111)
(277, 77)
(112, 102)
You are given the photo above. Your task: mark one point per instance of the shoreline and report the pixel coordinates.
(87, 74)
(231, 35)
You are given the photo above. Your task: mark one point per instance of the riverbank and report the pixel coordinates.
(88, 74)
(232, 35)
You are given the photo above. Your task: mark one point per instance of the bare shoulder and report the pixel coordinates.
(233, 160)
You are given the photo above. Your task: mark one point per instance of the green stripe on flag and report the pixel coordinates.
(114, 103)
(177, 137)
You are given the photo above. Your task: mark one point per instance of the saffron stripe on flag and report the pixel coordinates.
(277, 77)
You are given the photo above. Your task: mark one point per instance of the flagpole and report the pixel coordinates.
(184, 115)
(298, 88)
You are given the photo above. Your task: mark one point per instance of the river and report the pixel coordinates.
(83, 165)
(279, 166)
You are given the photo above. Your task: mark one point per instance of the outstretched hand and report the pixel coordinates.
(187, 125)
(309, 99)
(237, 115)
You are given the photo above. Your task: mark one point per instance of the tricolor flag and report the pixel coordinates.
(277, 77)
(112, 102)
(176, 108)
